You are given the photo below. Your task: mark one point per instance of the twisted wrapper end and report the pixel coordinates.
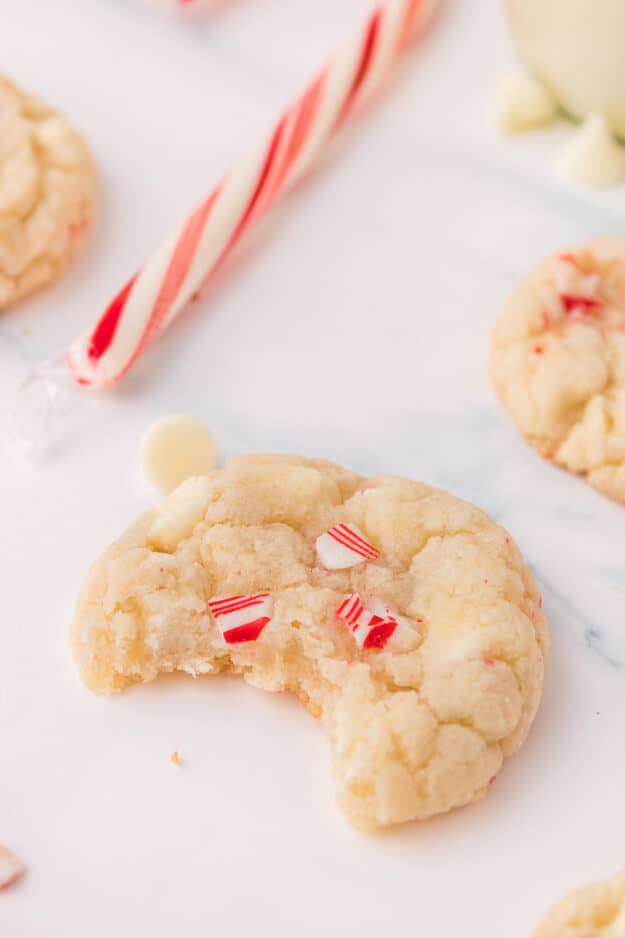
(48, 408)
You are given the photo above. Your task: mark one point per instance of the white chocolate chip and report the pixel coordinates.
(178, 515)
(174, 449)
(522, 102)
(592, 157)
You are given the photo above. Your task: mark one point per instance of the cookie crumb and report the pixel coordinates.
(175, 758)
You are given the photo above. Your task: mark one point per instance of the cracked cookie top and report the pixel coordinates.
(419, 722)
(47, 193)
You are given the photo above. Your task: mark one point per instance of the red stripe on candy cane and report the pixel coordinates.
(366, 54)
(222, 606)
(346, 543)
(375, 626)
(246, 633)
(379, 634)
(235, 607)
(105, 330)
(413, 8)
(181, 261)
(350, 609)
(343, 546)
(250, 211)
(176, 273)
(305, 112)
(205, 242)
(571, 303)
(348, 538)
(241, 618)
(353, 535)
(218, 604)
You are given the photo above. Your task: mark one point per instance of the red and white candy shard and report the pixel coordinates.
(10, 868)
(578, 291)
(344, 546)
(377, 626)
(242, 618)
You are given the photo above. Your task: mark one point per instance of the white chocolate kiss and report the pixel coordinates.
(591, 157)
(522, 102)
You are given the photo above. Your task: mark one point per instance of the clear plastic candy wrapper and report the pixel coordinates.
(47, 409)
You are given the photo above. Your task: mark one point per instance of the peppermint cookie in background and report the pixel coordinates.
(558, 361)
(47, 193)
(594, 911)
(400, 616)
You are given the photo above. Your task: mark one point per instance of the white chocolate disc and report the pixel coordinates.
(575, 48)
(175, 448)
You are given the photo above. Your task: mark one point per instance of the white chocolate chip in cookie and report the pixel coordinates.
(424, 661)
(174, 449)
(176, 517)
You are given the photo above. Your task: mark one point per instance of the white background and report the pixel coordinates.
(355, 327)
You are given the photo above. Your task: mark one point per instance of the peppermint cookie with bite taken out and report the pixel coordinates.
(47, 193)
(594, 911)
(558, 361)
(401, 617)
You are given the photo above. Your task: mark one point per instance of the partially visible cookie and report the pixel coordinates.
(47, 193)
(594, 911)
(402, 617)
(558, 361)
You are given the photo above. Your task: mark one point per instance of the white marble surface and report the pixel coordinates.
(396, 258)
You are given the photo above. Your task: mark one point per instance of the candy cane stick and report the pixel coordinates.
(160, 290)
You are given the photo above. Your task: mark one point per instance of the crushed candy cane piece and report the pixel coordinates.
(10, 868)
(241, 618)
(572, 303)
(344, 546)
(378, 625)
(577, 291)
